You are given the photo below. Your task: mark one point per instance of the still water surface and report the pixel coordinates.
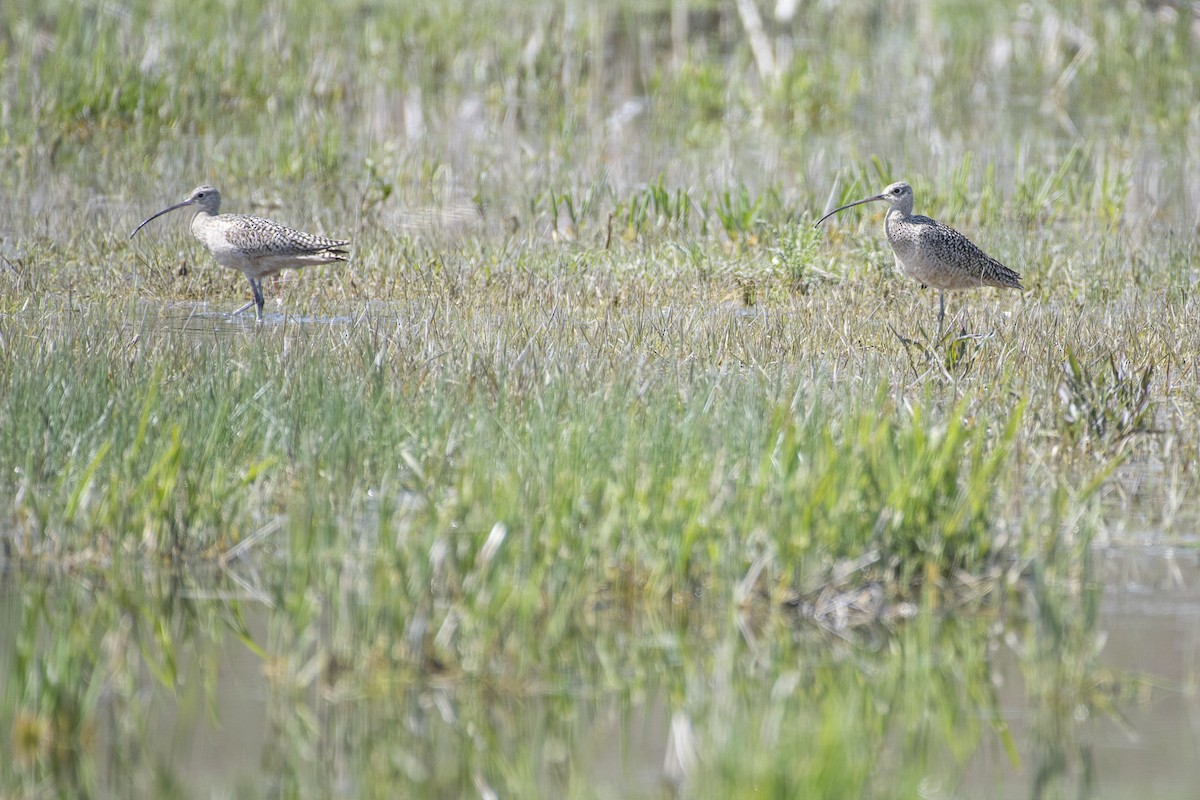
(246, 736)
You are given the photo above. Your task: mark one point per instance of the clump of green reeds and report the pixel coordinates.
(1105, 406)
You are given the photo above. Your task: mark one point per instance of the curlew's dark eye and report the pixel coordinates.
(896, 190)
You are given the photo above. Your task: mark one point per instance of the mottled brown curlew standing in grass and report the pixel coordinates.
(256, 247)
(933, 253)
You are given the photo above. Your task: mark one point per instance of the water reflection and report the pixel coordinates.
(184, 687)
(211, 318)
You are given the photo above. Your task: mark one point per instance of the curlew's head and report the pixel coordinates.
(206, 197)
(898, 195)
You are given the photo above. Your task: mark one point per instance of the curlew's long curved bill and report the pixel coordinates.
(827, 216)
(187, 202)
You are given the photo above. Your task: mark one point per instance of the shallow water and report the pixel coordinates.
(204, 317)
(1149, 625)
(249, 739)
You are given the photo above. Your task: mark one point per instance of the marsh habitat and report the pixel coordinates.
(598, 471)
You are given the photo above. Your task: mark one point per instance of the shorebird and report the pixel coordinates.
(933, 253)
(256, 247)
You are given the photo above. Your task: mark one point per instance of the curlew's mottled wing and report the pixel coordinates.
(959, 260)
(259, 238)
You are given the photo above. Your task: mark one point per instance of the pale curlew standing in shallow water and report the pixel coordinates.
(933, 253)
(256, 247)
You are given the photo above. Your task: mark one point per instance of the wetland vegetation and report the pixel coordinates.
(598, 472)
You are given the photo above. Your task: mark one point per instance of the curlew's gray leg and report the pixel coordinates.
(941, 311)
(257, 302)
(258, 299)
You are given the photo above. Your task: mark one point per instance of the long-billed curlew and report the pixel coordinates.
(933, 253)
(256, 247)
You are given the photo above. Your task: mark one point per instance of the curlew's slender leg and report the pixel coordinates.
(258, 299)
(941, 311)
(257, 302)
